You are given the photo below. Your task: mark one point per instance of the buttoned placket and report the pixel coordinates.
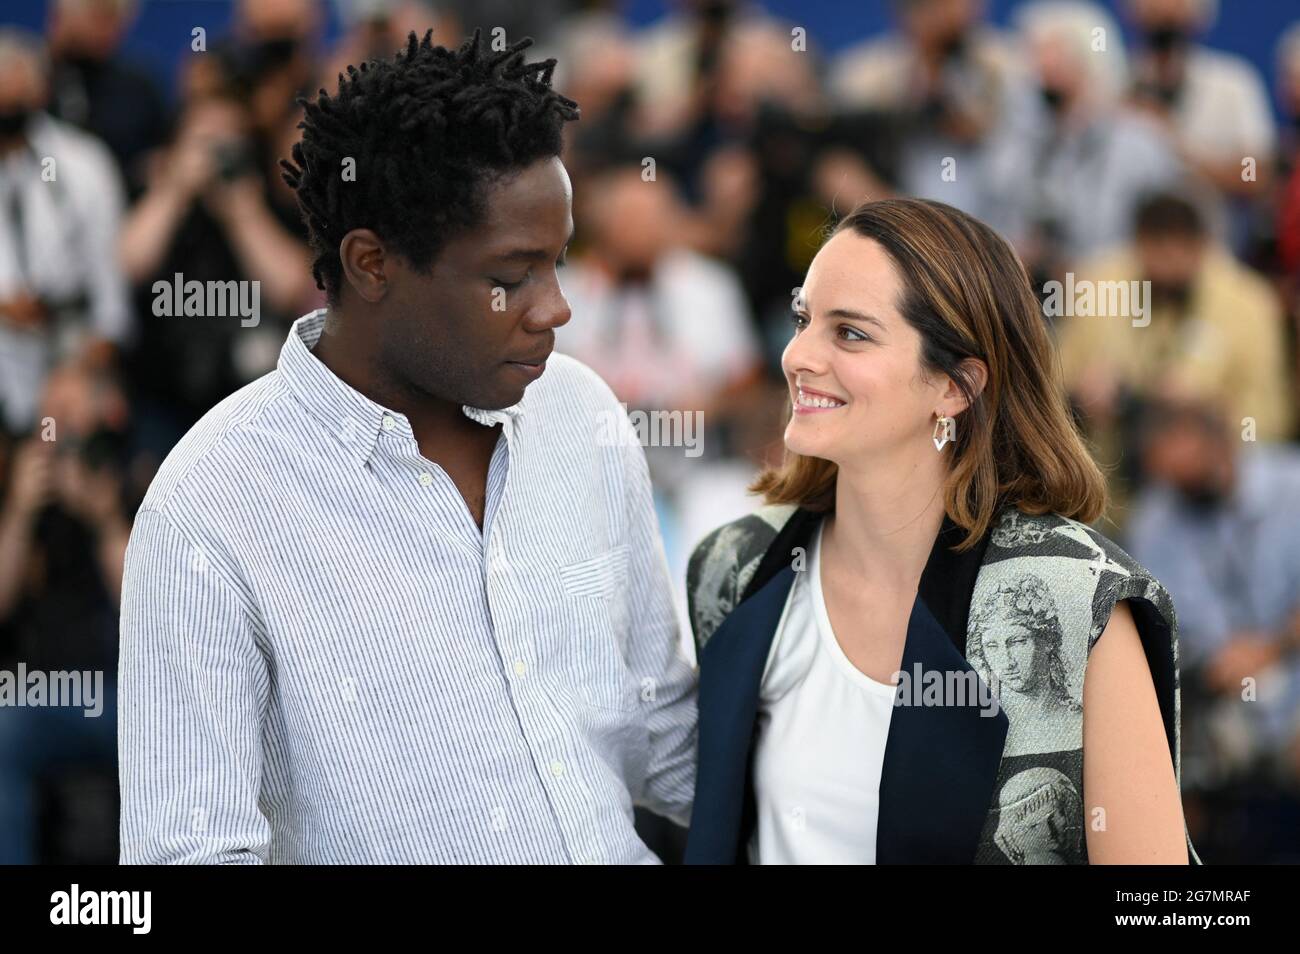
(551, 755)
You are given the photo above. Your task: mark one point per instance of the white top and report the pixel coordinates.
(822, 730)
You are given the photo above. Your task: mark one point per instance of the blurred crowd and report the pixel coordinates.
(1143, 176)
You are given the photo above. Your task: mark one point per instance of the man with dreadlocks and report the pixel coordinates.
(399, 600)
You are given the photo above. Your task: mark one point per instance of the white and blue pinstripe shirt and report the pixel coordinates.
(324, 660)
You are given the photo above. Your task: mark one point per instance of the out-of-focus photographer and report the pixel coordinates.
(100, 87)
(65, 509)
(951, 81)
(61, 199)
(1212, 105)
(214, 211)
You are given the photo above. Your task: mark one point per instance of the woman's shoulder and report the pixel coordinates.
(723, 563)
(1073, 555)
(1016, 533)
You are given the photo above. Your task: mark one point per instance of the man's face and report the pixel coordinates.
(936, 23)
(1166, 13)
(634, 220)
(22, 87)
(1188, 457)
(1171, 264)
(479, 327)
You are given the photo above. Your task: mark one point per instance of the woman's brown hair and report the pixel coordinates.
(967, 294)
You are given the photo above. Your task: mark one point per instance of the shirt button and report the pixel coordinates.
(426, 479)
(557, 769)
(389, 423)
(520, 668)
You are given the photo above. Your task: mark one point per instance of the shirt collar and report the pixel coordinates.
(345, 412)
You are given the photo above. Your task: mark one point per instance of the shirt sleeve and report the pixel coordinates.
(192, 691)
(668, 680)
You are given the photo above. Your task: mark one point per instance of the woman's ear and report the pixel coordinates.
(976, 373)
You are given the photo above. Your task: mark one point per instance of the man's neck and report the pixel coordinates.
(440, 427)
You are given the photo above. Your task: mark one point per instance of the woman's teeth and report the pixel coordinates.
(817, 400)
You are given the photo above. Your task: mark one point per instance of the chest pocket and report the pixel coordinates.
(595, 591)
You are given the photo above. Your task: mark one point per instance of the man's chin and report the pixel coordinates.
(506, 391)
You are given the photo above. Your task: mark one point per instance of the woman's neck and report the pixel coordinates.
(887, 518)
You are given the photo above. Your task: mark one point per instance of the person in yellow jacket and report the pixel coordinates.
(1174, 314)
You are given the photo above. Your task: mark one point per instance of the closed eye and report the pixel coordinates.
(511, 286)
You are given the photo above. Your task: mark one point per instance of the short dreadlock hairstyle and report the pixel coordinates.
(428, 131)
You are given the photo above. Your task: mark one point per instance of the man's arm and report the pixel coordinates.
(668, 680)
(192, 690)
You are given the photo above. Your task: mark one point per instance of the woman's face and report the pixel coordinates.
(855, 354)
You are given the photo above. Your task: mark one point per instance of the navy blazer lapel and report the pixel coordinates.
(731, 671)
(941, 761)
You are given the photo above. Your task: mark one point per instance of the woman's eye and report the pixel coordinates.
(856, 335)
(508, 286)
(798, 320)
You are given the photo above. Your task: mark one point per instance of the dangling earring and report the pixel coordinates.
(943, 431)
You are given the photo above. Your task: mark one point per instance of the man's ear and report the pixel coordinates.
(364, 260)
(976, 373)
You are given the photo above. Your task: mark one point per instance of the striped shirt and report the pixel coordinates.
(324, 660)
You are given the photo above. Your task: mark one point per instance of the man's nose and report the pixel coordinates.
(552, 313)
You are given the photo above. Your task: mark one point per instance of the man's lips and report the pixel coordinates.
(534, 366)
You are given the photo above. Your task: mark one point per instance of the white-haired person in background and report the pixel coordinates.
(1070, 189)
(62, 293)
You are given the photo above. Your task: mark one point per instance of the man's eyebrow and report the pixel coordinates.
(534, 252)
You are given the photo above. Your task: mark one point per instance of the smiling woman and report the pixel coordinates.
(904, 274)
(929, 519)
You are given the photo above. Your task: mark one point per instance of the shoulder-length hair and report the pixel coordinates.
(967, 294)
